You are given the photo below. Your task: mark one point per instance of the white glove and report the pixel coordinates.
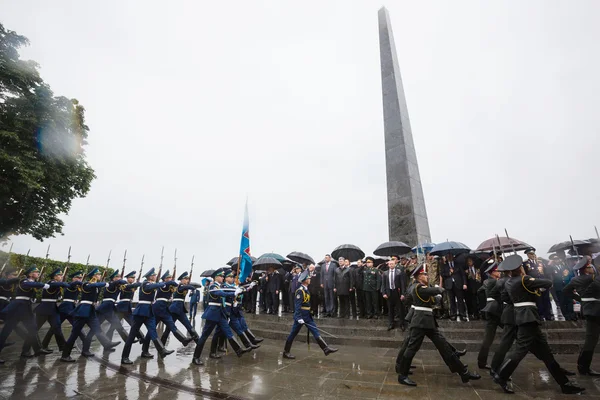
(106, 285)
(301, 321)
(46, 286)
(254, 283)
(437, 285)
(238, 291)
(235, 303)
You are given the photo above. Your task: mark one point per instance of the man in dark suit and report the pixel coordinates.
(473, 284)
(393, 289)
(314, 289)
(455, 283)
(531, 263)
(273, 287)
(328, 284)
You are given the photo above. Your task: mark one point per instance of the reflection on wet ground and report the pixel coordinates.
(366, 373)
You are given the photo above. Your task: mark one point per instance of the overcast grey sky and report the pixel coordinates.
(192, 105)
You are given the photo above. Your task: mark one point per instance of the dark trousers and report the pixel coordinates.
(344, 305)
(286, 300)
(456, 295)
(314, 302)
(115, 323)
(360, 300)
(491, 326)
(592, 331)
(441, 344)
(62, 317)
(263, 301)
(509, 334)
(472, 303)
(55, 322)
(28, 321)
(530, 338)
(310, 325)
(94, 325)
(329, 300)
(138, 321)
(194, 309)
(395, 307)
(273, 302)
(177, 317)
(543, 305)
(352, 298)
(372, 303)
(567, 306)
(209, 326)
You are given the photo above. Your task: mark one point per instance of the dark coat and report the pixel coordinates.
(499, 293)
(273, 283)
(423, 296)
(493, 305)
(521, 289)
(453, 276)
(588, 293)
(344, 281)
(399, 281)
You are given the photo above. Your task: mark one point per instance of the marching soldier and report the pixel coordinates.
(143, 315)
(214, 315)
(493, 312)
(123, 305)
(8, 284)
(20, 310)
(423, 324)
(523, 290)
(106, 309)
(85, 314)
(587, 287)
(177, 307)
(507, 320)
(302, 316)
(371, 287)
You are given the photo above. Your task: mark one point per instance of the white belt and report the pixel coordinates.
(68, 301)
(214, 304)
(103, 300)
(427, 309)
(178, 299)
(122, 300)
(86, 302)
(589, 299)
(490, 299)
(48, 300)
(144, 302)
(3, 298)
(525, 304)
(161, 299)
(22, 298)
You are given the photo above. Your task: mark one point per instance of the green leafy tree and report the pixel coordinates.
(42, 138)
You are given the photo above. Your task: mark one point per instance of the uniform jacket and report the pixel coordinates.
(160, 308)
(147, 293)
(70, 295)
(499, 293)
(423, 296)
(588, 294)
(218, 297)
(126, 296)
(51, 295)
(522, 289)
(22, 307)
(110, 295)
(89, 296)
(178, 304)
(493, 305)
(302, 305)
(371, 280)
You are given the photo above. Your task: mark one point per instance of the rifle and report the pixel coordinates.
(68, 262)
(123, 269)
(141, 267)
(192, 268)
(10, 251)
(162, 255)
(175, 266)
(45, 263)
(107, 263)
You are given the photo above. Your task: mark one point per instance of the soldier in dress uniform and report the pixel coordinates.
(177, 307)
(70, 295)
(20, 310)
(144, 315)
(423, 324)
(8, 284)
(371, 287)
(47, 311)
(530, 265)
(106, 309)
(586, 289)
(123, 305)
(493, 312)
(523, 290)
(214, 315)
(302, 317)
(507, 319)
(160, 309)
(85, 314)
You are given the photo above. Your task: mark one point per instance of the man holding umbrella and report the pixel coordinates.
(455, 282)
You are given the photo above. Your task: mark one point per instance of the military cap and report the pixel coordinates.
(55, 272)
(367, 259)
(511, 263)
(130, 275)
(31, 269)
(229, 273)
(112, 276)
(421, 269)
(93, 272)
(581, 264)
(491, 268)
(554, 257)
(530, 250)
(8, 271)
(182, 276)
(219, 272)
(304, 276)
(166, 275)
(150, 273)
(76, 274)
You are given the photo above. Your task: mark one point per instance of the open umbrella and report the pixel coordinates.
(423, 248)
(392, 248)
(266, 263)
(505, 244)
(461, 259)
(566, 245)
(234, 261)
(454, 248)
(301, 258)
(289, 265)
(348, 251)
(276, 256)
(207, 273)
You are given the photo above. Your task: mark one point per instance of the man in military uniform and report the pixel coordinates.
(8, 284)
(123, 305)
(20, 310)
(423, 324)
(530, 265)
(177, 307)
(523, 290)
(493, 312)
(106, 309)
(85, 314)
(371, 287)
(144, 315)
(585, 288)
(302, 317)
(507, 319)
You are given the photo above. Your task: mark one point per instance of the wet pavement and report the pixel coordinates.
(353, 372)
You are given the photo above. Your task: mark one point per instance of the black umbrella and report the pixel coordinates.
(266, 263)
(207, 273)
(289, 265)
(567, 245)
(389, 249)
(349, 252)
(301, 258)
(234, 261)
(276, 256)
(454, 248)
(461, 259)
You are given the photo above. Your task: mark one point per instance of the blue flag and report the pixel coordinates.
(245, 260)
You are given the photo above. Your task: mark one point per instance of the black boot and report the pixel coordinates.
(253, 339)
(107, 344)
(571, 388)
(239, 350)
(66, 354)
(326, 349)
(162, 352)
(583, 364)
(247, 342)
(286, 350)
(46, 341)
(467, 376)
(182, 338)
(198, 352)
(125, 355)
(213, 347)
(146, 349)
(405, 380)
(222, 346)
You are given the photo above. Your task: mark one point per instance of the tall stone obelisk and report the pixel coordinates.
(407, 215)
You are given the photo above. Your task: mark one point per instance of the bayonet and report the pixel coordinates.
(7, 259)
(175, 264)
(141, 267)
(162, 256)
(192, 268)
(67, 267)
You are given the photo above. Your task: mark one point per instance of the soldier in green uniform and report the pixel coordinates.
(523, 291)
(371, 287)
(492, 312)
(423, 324)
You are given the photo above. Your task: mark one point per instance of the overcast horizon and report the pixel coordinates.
(192, 106)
